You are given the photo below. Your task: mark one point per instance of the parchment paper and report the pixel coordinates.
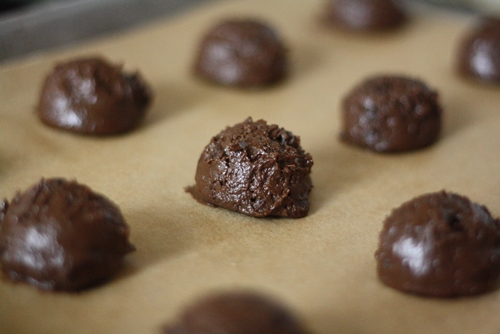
(321, 266)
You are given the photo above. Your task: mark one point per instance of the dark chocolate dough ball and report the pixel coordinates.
(479, 52)
(91, 96)
(440, 245)
(236, 313)
(256, 169)
(391, 114)
(243, 53)
(365, 15)
(59, 235)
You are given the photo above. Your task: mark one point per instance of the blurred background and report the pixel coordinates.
(27, 26)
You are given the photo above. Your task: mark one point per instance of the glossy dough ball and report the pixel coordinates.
(236, 313)
(90, 96)
(479, 53)
(59, 235)
(365, 15)
(440, 245)
(391, 114)
(242, 53)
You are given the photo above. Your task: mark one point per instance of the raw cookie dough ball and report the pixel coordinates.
(440, 245)
(479, 52)
(91, 96)
(365, 15)
(243, 53)
(391, 114)
(236, 313)
(59, 235)
(256, 169)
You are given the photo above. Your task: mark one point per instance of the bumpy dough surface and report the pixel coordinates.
(256, 169)
(391, 114)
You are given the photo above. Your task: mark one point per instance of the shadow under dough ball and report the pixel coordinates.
(391, 114)
(479, 52)
(242, 53)
(440, 245)
(59, 235)
(256, 169)
(365, 15)
(90, 96)
(236, 313)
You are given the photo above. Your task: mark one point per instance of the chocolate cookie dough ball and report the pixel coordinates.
(256, 169)
(479, 53)
(440, 245)
(236, 313)
(91, 96)
(391, 114)
(243, 53)
(59, 235)
(365, 15)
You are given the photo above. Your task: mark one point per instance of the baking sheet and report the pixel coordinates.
(322, 265)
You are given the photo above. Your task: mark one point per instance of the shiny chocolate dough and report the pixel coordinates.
(90, 96)
(391, 114)
(242, 53)
(365, 15)
(440, 245)
(479, 53)
(236, 313)
(256, 169)
(59, 235)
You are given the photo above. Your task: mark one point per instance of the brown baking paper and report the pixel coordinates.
(322, 266)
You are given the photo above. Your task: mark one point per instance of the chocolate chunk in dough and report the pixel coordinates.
(236, 313)
(91, 96)
(256, 169)
(365, 15)
(59, 235)
(479, 53)
(391, 114)
(243, 53)
(440, 245)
